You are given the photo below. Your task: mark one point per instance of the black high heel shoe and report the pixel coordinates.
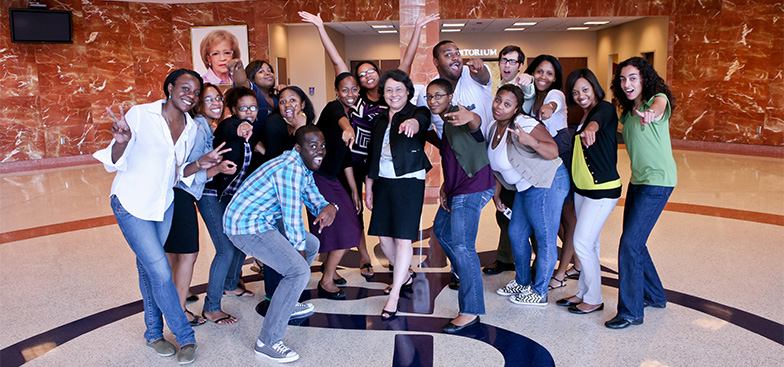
(408, 286)
(389, 315)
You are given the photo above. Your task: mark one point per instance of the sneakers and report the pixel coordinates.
(529, 299)
(513, 288)
(162, 347)
(276, 352)
(302, 310)
(187, 354)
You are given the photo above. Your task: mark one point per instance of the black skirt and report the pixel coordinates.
(184, 234)
(397, 208)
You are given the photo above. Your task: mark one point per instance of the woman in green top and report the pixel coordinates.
(645, 102)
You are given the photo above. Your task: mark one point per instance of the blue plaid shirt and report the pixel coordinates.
(275, 192)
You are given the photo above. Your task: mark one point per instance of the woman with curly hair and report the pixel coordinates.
(646, 103)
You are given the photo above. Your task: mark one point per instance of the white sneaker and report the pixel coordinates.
(276, 352)
(513, 288)
(302, 310)
(529, 299)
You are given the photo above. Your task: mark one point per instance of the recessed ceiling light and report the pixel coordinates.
(381, 26)
(450, 30)
(524, 24)
(453, 24)
(388, 31)
(514, 29)
(577, 28)
(599, 22)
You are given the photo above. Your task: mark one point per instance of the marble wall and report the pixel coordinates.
(726, 61)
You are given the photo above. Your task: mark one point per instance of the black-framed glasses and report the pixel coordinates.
(367, 72)
(436, 96)
(509, 61)
(246, 108)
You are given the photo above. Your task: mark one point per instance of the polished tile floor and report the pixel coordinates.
(70, 294)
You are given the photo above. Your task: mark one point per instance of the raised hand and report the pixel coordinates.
(235, 65)
(475, 65)
(120, 129)
(212, 158)
(312, 19)
(424, 19)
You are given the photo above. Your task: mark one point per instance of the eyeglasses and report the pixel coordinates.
(436, 96)
(209, 100)
(509, 61)
(228, 53)
(367, 72)
(246, 108)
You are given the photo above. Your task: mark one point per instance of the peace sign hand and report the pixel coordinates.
(213, 157)
(120, 129)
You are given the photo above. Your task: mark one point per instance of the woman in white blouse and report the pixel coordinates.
(148, 152)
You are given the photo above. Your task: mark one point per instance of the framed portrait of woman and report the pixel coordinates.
(212, 49)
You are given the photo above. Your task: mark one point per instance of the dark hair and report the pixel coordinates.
(399, 76)
(253, 67)
(342, 76)
(233, 96)
(652, 84)
(512, 48)
(588, 75)
(437, 47)
(558, 83)
(363, 90)
(310, 114)
(174, 75)
(511, 88)
(299, 135)
(199, 109)
(443, 83)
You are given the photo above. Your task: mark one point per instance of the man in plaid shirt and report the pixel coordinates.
(264, 220)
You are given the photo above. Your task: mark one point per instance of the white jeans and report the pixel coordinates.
(591, 215)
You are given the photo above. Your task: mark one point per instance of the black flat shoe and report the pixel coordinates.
(389, 315)
(575, 310)
(451, 328)
(192, 298)
(498, 267)
(618, 322)
(654, 305)
(340, 282)
(565, 303)
(331, 295)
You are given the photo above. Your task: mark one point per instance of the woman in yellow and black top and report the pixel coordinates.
(597, 183)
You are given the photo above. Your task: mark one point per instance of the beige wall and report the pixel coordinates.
(279, 45)
(631, 39)
(309, 65)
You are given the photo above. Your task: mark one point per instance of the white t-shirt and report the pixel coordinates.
(499, 158)
(470, 94)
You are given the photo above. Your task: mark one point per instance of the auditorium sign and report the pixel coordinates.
(479, 52)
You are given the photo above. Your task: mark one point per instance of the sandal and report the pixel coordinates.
(575, 273)
(196, 321)
(227, 320)
(559, 283)
(244, 293)
(407, 286)
(388, 315)
(369, 274)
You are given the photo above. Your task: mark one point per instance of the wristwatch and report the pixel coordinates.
(337, 208)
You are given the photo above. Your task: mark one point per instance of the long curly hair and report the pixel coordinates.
(652, 84)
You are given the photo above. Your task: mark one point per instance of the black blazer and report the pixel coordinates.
(408, 154)
(602, 157)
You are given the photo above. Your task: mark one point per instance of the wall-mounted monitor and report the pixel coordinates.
(41, 26)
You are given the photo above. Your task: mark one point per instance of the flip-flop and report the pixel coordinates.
(196, 319)
(370, 270)
(218, 321)
(245, 293)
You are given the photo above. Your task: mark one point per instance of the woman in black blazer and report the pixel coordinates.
(396, 178)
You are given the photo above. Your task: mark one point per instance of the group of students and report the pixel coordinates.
(251, 176)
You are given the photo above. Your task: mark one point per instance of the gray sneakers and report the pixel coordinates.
(529, 299)
(302, 310)
(276, 352)
(513, 288)
(162, 347)
(187, 354)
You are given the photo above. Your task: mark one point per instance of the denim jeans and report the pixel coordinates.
(456, 231)
(538, 211)
(591, 216)
(504, 253)
(637, 278)
(274, 250)
(159, 295)
(228, 259)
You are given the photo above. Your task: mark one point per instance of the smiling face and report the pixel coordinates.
(219, 55)
(631, 82)
(504, 105)
(583, 94)
(212, 103)
(312, 150)
(368, 76)
(509, 66)
(184, 92)
(347, 92)
(264, 78)
(395, 94)
(449, 63)
(250, 107)
(544, 76)
(437, 100)
(290, 104)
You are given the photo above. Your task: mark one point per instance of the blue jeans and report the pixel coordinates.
(275, 251)
(227, 264)
(159, 295)
(538, 211)
(456, 231)
(638, 281)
